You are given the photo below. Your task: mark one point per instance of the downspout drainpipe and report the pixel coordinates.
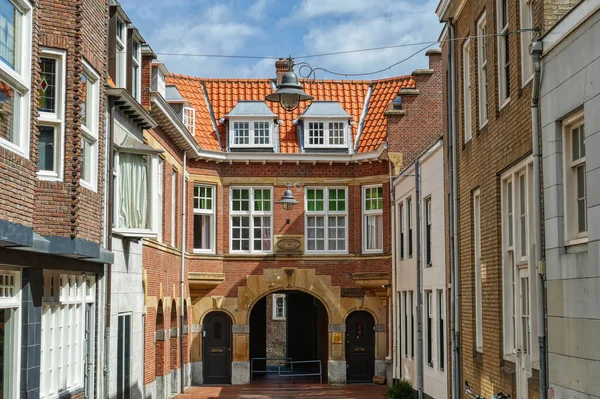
(183, 232)
(392, 348)
(536, 53)
(419, 293)
(109, 229)
(454, 272)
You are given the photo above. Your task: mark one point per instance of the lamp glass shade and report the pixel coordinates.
(288, 201)
(289, 101)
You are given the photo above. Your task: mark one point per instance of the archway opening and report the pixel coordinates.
(288, 334)
(159, 362)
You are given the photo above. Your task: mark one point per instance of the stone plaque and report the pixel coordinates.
(289, 244)
(337, 338)
(353, 292)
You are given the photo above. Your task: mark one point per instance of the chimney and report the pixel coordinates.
(281, 67)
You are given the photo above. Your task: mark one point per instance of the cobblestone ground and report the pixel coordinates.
(285, 391)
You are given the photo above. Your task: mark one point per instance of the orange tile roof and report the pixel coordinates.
(224, 94)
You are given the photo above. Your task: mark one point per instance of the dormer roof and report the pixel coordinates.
(251, 109)
(325, 109)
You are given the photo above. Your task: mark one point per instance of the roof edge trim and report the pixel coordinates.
(363, 115)
(212, 114)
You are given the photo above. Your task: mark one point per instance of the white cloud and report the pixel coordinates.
(258, 9)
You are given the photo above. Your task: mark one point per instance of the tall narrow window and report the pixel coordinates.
(522, 217)
(373, 219)
(468, 129)
(429, 326)
(326, 220)
(406, 331)
(251, 219)
(124, 357)
(576, 221)
(526, 35)
(278, 306)
(410, 226)
(412, 325)
(136, 74)
(189, 119)
(204, 218)
(173, 207)
(477, 261)
(160, 200)
(441, 325)
(51, 108)
(121, 54)
(90, 97)
(427, 206)
(503, 52)
(482, 75)
(401, 229)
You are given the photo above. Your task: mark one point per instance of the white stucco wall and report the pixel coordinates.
(571, 83)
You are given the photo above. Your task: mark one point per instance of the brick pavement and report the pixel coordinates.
(285, 391)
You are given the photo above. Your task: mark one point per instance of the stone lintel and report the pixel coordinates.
(240, 329)
(333, 328)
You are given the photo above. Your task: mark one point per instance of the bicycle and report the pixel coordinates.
(499, 395)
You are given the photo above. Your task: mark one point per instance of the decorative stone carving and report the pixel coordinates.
(289, 244)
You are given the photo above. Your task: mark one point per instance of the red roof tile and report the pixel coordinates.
(224, 94)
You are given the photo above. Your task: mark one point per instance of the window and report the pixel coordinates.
(136, 70)
(204, 218)
(121, 55)
(66, 298)
(124, 357)
(576, 223)
(468, 129)
(134, 187)
(503, 52)
(412, 325)
(251, 134)
(90, 97)
(427, 207)
(477, 261)
(482, 75)
(526, 39)
(189, 119)
(160, 200)
(279, 307)
(429, 326)
(251, 219)
(401, 228)
(406, 311)
(51, 120)
(441, 331)
(10, 350)
(373, 219)
(325, 134)
(326, 220)
(15, 75)
(173, 207)
(410, 226)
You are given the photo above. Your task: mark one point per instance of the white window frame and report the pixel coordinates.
(91, 134)
(21, 81)
(512, 263)
(409, 217)
(371, 213)
(527, 13)
(478, 271)
(121, 54)
(441, 332)
(402, 235)
(174, 176)
(405, 312)
(251, 213)
(56, 119)
(325, 214)
(427, 236)
(276, 316)
(251, 133)
(154, 206)
(160, 199)
(207, 212)
(572, 234)
(13, 303)
(502, 32)
(482, 71)
(64, 303)
(326, 133)
(136, 71)
(430, 330)
(467, 119)
(189, 119)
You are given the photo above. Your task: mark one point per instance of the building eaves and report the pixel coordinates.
(131, 107)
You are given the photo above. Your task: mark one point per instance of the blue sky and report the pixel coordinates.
(280, 28)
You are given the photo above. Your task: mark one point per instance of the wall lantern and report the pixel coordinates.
(289, 92)
(288, 201)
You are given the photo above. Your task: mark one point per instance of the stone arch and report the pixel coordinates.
(367, 310)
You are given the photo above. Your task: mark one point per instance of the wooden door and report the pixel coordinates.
(217, 349)
(360, 347)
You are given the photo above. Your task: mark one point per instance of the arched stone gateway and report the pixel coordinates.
(338, 307)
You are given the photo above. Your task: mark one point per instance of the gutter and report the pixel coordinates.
(419, 290)
(536, 54)
(392, 304)
(182, 282)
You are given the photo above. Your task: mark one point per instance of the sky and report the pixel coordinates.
(280, 28)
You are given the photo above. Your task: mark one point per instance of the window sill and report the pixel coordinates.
(504, 104)
(250, 253)
(132, 233)
(203, 251)
(317, 253)
(576, 241)
(13, 148)
(372, 252)
(87, 185)
(483, 125)
(49, 176)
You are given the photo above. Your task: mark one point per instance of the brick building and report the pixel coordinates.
(488, 131)
(52, 151)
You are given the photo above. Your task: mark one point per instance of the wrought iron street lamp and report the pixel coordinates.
(288, 201)
(289, 92)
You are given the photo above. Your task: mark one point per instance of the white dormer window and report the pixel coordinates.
(325, 134)
(189, 119)
(257, 133)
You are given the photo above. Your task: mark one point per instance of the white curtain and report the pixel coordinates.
(133, 191)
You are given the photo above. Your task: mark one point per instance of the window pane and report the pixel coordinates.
(241, 133)
(46, 148)
(47, 89)
(133, 191)
(336, 133)
(575, 143)
(582, 139)
(85, 100)
(581, 200)
(10, 31)
(86, 159)
(261, 133)
(202, 231)
(9, 112)
(510, 214)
